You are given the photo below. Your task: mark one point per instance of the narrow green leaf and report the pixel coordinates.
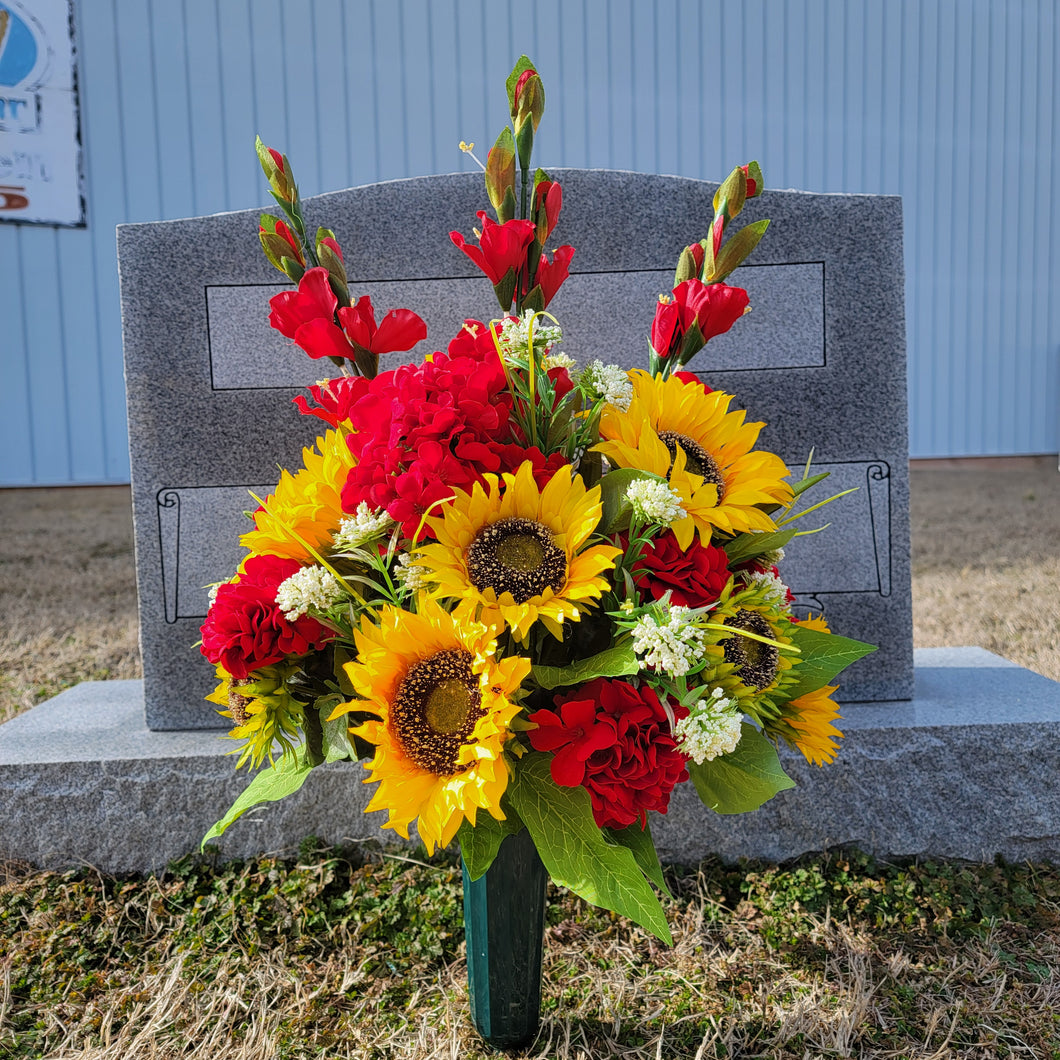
(617, 661)
(747, 546)
(479, 845)
(574, 851)
(613, 488)
(800, 487)
(640, 843)
(744, 780)
(823, 656)
(736, 250)
(269, 785)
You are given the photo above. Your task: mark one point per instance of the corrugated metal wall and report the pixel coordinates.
(950, 103)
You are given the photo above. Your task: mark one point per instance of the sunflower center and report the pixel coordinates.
(435, 711)
(517, 556)
(697, 460)
(755, 662)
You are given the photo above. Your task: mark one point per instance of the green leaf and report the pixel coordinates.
(269, 785)
(743, 780)
(613, 488)
(618, 661)
(736, 250)
(747, 546)
(800, 487)
(479, 845)
(574, 851)
(640, 843)
(823, 656)
(336, 734)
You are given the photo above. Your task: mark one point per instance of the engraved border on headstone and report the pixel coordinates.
(183, 513)
(865, 514)
(246, 354)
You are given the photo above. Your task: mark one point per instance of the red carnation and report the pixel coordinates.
(695, 576)
(245, 630)
(614, 740)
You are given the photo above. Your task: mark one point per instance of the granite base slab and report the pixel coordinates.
(969, 768)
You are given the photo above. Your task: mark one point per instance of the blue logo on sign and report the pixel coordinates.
(18, 48)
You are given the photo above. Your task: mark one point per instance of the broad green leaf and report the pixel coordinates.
(823, 656)
(479, 845)
(336, 734)
(619, 661)
(269, 785)
(746, 546)
(736, 250)
(574, 851)
(640, 843)
(613, 488)
(743, 780)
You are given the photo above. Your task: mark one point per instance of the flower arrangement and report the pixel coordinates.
(526, 595)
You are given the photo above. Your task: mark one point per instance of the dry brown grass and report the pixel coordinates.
(986, 571)
(169, 973)
(67, 591)
(986, 560)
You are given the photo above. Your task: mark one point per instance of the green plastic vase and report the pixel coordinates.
(504, 921)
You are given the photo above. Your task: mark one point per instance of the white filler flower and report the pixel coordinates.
(611, 383)
(311, 588)
(673, 644)
(654, 502)
(712, 728)
(360, 527)
(410, 575)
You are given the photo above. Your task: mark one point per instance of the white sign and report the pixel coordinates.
(40, 147)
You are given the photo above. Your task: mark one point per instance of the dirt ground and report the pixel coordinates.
(986, 571)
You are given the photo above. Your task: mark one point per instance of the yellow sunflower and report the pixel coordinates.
(262, 710)
(811, 717)
(518, 557)
(680, 432)
(443, 703)
(305, 506)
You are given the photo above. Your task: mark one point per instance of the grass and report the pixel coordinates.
(357, 953)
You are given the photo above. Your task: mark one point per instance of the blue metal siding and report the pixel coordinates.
(950, 103)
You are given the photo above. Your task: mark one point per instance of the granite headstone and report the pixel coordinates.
(821, 359)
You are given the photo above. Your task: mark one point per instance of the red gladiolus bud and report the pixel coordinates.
(528, 101)
(548, 201)
(332, 244)
(277, 172)
(278, 242)
(697, 252)
(714, 307)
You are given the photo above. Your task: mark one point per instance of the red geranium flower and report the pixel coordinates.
(400, 330)
(245, 630)
(695, 576)
(615, 740)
